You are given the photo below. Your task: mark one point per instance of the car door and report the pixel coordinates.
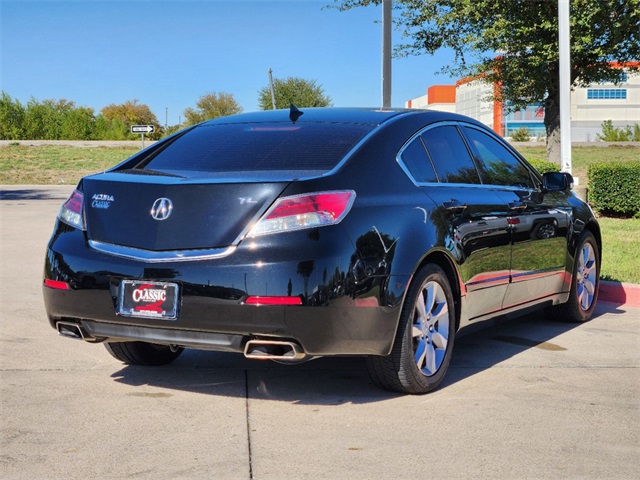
(471, 219)
(538, 221)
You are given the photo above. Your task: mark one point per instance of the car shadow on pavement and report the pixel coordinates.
(32, 194)
(342, 380)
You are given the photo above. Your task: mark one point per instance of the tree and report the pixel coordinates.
(62, 120)
(212, 105)
(43, 120)
(170, 130)
(514, 43)
(11, 118)
(122, 116)
(78, 124)
(296, 90)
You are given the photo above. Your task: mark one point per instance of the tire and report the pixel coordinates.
(424, 341)
(142, 353)
(585, 283)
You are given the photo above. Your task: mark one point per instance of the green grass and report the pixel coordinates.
(621, 249)
(49, 164)
(582, 157)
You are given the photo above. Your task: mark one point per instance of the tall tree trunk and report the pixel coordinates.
(552, 126)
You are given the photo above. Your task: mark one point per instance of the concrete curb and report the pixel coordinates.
(627, 294)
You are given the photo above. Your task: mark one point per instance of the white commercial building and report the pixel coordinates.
(590, 107)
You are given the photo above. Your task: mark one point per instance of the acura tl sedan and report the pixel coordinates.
(289, 235)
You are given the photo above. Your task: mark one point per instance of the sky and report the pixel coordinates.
(168, 53)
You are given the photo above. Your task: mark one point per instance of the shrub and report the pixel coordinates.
(544, 166)
(521, 134)
(613, 134)
(614, 188)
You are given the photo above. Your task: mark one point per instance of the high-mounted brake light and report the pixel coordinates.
(305, 211)
(71, 210)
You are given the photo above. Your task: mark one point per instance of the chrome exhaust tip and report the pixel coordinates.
(274, 350)
(70, 330)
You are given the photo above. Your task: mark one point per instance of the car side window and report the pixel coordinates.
(450, 156)
(498, 166)
(416, 160)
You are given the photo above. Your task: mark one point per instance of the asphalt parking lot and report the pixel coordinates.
(530, 399)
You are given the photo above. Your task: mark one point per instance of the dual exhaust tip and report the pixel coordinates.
(274, 350)
(71, 330)
(281, 350)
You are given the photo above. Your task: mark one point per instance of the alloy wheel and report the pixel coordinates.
(430, 330)
(586, 276)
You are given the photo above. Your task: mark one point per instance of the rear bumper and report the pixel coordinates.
(338, 317)
(206, 324)
(97, 332)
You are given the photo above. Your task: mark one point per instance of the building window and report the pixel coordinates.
(607, 94)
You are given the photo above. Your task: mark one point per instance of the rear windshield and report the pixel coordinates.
(260, 147)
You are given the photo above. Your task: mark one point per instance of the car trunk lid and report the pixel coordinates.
(189, 213)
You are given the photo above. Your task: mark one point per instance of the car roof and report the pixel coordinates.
(369, 116)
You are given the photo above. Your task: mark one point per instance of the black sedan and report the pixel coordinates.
(289, 235)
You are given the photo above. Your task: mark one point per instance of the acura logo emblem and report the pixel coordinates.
(161, 209)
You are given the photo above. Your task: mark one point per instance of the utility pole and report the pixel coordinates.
(564, 39)
(273, 94)
(166, 118)
(386, 54)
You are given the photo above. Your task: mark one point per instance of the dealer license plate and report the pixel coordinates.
(138, 298)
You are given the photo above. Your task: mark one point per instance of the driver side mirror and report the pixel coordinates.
(557, 181)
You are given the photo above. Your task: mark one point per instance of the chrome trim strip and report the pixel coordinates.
(160, 257)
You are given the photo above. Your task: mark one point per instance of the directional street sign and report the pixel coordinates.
(142, 128)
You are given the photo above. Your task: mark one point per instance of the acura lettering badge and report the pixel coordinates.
(161, 209)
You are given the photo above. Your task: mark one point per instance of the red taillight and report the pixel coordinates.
(71, 210)
(258, 300)
(55, 284)
(305, 211)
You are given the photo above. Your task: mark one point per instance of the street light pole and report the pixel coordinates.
(386, 54)
(273, 95)
(564, 39)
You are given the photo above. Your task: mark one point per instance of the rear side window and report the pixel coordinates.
(450, 156)
(416, 160)
(497, 164)
(260, 147)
